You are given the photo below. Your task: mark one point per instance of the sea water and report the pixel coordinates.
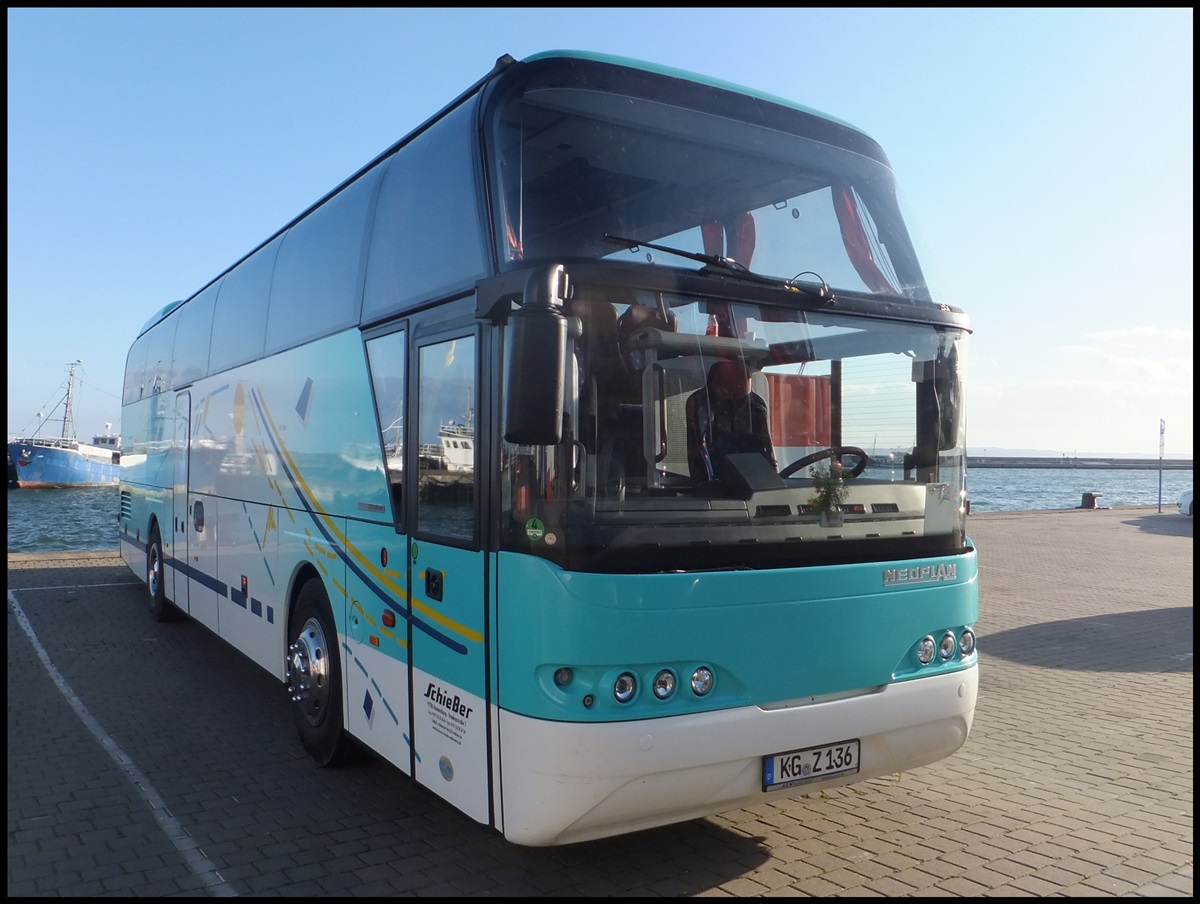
(85, 518)
(58, 520)
(1036, 489)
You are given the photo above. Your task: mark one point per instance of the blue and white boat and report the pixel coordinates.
(63, 461)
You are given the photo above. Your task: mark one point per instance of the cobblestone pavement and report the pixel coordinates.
(151, 760)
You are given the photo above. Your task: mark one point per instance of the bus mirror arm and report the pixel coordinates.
(536, 361)
(497, 296)
(547, 287)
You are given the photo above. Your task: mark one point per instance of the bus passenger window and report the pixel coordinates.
(386, 356)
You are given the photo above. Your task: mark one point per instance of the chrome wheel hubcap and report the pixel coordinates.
(308, 672)
(154, 574)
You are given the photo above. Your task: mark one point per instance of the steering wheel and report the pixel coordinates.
(839, 451)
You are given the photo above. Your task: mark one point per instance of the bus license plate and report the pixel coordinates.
(812, 764)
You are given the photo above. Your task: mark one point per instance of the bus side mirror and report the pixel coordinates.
(536, 361)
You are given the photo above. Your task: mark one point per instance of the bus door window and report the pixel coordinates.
(448, 437)
(386, 356)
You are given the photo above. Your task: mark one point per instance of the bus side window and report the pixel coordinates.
(386, 357)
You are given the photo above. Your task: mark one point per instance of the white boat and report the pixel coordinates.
(458, 445)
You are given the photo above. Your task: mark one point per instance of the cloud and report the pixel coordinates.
(1158, 372)
(1171, 334)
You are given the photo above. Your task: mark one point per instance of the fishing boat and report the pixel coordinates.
(63, 461)
(447, 467)
(454, 452)
(457, 442)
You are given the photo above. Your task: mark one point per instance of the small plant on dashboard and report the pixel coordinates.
(830, 489)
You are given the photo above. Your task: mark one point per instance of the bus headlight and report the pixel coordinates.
(948, 646)
(702, 681)
(966, 643)
(925, 648)
(664, 684)
(624, 687)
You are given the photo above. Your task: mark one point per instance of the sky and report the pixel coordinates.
(1045, 156)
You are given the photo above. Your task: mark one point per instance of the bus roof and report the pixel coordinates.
(685, 74)
(502, 62)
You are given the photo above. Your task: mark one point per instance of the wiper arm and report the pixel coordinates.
(728, 264)
(713, 260)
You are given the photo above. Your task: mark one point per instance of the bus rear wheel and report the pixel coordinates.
(161, 609)
(314, 677)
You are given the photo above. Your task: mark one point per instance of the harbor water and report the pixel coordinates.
(85, 518)
(58, 520)
(1038, 489)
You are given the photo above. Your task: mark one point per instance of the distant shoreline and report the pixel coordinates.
(1072, 462)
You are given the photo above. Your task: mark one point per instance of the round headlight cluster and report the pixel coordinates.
(927, 647)
(663, 686)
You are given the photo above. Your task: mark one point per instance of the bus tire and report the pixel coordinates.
(161, 609)
(314, 677)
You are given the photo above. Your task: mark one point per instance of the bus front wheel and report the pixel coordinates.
(314, 677)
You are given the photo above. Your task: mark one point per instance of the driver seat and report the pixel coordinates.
(725, 417)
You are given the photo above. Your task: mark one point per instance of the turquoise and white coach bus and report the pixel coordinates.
(595, 455)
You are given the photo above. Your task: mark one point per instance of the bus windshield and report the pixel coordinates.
(574, 164)
(705, 429)
(704, 433)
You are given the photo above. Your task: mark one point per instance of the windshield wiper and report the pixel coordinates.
(728, 265)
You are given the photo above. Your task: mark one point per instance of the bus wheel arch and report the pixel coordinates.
(314, 673)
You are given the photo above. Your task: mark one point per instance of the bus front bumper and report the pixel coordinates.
(565, 782)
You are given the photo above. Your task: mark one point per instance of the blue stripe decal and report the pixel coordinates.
(341, 553)
(388, 707)
(137, 544)
(181, 567)
(304, 400)
(200, 577)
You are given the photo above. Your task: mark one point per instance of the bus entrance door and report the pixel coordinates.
(195, 548)
(176, 545)
(448, 593)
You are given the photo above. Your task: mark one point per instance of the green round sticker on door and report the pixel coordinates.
(534, 529)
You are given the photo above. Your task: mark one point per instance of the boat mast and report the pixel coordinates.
(70, 386)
